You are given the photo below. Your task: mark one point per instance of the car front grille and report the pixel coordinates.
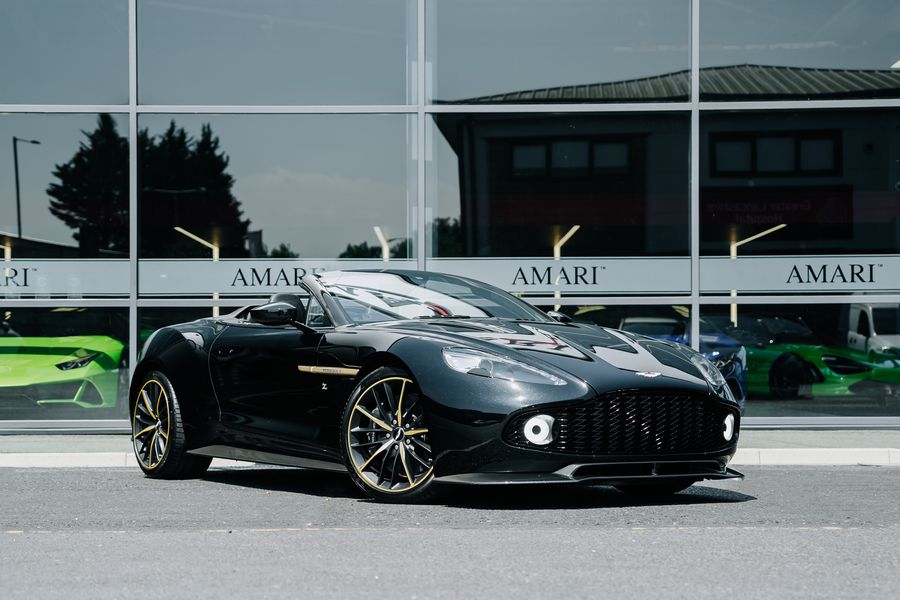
(632, 422)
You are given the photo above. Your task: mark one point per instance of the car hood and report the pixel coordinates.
(604, 358)
(28, 360)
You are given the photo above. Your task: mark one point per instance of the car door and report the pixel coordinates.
(267, 400)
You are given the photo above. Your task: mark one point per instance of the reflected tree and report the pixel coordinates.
(185, 183)
(91, 191)
(399, 249)
(283, 250)
(447, 236)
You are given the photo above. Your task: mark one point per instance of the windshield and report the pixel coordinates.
(375, 296)
(788, 331)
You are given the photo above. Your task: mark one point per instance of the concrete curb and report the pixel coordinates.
(882, 457)
(83, 460)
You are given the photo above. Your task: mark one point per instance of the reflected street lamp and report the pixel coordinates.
(732, 252)
(16, 141)
(557, 254)
(215, 257)
(385, 246)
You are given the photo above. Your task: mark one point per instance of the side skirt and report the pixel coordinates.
(270, 458)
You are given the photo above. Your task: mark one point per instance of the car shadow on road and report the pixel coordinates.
(286, 479)
(579, 496)
(496, 497)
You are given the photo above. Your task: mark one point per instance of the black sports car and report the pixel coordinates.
(406, 379)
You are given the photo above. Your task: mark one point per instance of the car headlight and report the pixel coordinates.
(476, 362)
(77, 363)
(710, 372)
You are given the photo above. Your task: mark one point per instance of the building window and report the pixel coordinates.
(776, 154)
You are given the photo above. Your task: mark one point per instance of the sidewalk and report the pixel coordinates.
(757, 447)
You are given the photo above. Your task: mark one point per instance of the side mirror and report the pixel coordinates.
(276, 313)
(558, 316)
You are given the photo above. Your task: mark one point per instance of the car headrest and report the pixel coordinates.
(293, 300)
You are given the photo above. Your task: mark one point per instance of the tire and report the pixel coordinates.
(651, 490)
(384, 438)
(157, 432)
(786, 376)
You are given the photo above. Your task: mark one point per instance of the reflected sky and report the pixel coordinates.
(839, 34)
(276, 51)
(64, 52)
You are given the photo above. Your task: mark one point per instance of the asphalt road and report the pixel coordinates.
(282, 533)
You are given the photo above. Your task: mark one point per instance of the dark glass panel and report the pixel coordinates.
(622, 178)
(553, 51)
(832, 177)
(63, 363)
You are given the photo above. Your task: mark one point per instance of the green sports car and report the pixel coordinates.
(787, 361)
(65, 373)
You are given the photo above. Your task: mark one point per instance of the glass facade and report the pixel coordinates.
(723, 175)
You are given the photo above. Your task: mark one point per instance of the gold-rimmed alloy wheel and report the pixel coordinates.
(387, 445)
(158, 433)
(151, 424)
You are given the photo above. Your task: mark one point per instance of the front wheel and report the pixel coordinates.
(157, 432)
(385, 440)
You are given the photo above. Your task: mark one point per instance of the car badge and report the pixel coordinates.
(649, 374)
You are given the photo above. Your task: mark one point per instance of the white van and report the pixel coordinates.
(875, 330)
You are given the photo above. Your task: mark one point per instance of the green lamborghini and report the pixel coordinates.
(66, 372)
(787, 361)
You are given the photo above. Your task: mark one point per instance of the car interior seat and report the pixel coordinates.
(293, 300)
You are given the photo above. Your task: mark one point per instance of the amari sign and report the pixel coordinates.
(238, 277)
(526, 276)
(800, 274)
(576, 276)
(36, 278)
(538, 276)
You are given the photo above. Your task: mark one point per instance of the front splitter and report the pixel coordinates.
(610, 473)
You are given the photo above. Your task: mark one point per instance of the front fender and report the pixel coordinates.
(185, 361)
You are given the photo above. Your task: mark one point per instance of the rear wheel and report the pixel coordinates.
(385, 439)
(649, 490)
(157, 432)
